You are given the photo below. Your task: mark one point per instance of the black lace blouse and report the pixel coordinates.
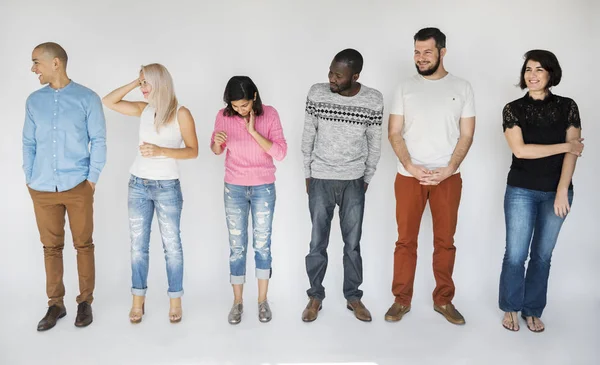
(541, 122)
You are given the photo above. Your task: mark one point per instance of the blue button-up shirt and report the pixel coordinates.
(64, 138)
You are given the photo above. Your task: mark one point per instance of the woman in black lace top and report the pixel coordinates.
(543, 131)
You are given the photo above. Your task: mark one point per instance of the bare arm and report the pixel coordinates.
(188, 132)
(395, 127)
(561, 202)
(514, 137)
(114, 100)
(467, 131)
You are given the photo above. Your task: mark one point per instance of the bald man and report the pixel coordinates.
(64, 151)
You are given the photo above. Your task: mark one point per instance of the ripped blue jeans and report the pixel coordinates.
(164, 197)
(239, 201)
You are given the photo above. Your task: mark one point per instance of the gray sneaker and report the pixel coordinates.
(235, 314)
(264, 312)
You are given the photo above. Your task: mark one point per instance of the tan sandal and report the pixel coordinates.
(175, 315)
(514, 321)
(135, 314)
(532, 329)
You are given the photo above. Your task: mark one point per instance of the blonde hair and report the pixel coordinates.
(162, 96)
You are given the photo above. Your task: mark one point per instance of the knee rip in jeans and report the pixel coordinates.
(172, 245)
(260, 244)
(261, 237)
(235, 232)
(232, 220)
(237, 252)
(262, 217)
(263, 252)
(136, 227)
(169, 230)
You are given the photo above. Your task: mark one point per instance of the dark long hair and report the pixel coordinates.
(241, 88)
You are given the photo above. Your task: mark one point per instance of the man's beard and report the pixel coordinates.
(342, 87)
(431, 70)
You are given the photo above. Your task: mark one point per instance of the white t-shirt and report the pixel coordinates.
(432, 110)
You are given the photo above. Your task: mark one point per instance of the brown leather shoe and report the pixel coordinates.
(396, 312)
(449, 311)
(311, 312)
(54, 313)
(360, 311)
(84, 315)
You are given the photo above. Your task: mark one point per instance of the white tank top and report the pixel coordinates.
(169, 136)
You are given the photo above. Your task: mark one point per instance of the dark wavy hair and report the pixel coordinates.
(437, 35)
(238, 88)
(548, 61)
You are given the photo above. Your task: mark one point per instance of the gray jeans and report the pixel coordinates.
(323, 196)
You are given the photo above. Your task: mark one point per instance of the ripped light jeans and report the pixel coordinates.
(239, 200)
(164, 196)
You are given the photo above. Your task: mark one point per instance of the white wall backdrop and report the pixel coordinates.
(286, 46)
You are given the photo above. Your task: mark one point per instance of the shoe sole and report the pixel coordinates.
(448, 318)
(46, 329)
(511, 329)
(234, 322)
(360, 319)
(81, 325)
(389, 318)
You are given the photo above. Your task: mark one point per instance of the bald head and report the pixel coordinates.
(53, 50)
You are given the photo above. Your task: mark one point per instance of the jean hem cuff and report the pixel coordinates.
(139, 292)
(175, 294)
(237, 280)
(263, 274)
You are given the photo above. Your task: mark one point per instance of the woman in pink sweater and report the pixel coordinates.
(251, 134)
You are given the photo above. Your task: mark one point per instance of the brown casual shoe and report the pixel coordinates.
(449, 311)
(311, 312)
(84, 315)
(52, 316)
(360, 311)
(396, 312)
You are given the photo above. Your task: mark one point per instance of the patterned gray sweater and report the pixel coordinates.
(342, 135)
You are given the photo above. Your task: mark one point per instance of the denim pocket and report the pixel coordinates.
(168, 184)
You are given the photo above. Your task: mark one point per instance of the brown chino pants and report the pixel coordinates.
(50, 208)
(411, 198)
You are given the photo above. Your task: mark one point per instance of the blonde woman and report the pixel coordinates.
(165, 127)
